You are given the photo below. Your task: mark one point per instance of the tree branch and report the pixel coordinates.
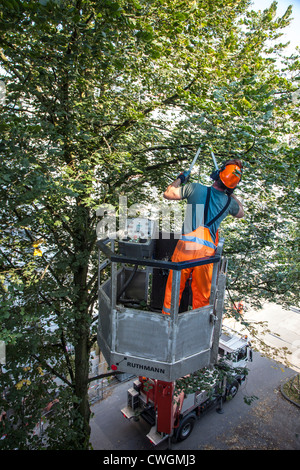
(53, 371)
(107, 374)
(129, 122)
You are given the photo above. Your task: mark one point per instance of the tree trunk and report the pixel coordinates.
(82, 330)
(81, 381)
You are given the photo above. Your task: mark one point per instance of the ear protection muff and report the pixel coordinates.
(215, 175)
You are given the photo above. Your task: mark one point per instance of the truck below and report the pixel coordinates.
(172, 408)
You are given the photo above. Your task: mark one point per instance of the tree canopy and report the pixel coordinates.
(113, 97)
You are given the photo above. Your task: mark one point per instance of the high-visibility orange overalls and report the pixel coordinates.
(194, 245)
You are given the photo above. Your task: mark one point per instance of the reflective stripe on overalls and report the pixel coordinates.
(194, 245)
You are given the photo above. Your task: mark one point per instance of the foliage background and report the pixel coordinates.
(108, 98)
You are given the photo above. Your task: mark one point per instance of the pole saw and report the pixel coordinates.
(185, 175)
(214, 160)
(194, 161)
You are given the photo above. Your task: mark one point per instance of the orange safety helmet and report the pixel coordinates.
(230, 175)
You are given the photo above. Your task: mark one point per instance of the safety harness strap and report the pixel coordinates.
(211, 222)
(207, 204)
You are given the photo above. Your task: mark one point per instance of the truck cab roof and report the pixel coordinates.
(230, 343)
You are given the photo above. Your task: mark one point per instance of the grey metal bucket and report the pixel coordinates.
(143, 342)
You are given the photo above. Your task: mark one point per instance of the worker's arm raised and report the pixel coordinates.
(173, 191)
(240, 213)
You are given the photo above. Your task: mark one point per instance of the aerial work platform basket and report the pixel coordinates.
(134, 336)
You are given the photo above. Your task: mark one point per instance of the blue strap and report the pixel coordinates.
(209, 224)
(206, 204)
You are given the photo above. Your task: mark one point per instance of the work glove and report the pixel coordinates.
(184, 176)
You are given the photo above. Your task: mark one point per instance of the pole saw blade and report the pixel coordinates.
(214, 160)
(194, 161)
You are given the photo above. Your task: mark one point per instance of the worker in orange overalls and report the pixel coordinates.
(207, 207)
